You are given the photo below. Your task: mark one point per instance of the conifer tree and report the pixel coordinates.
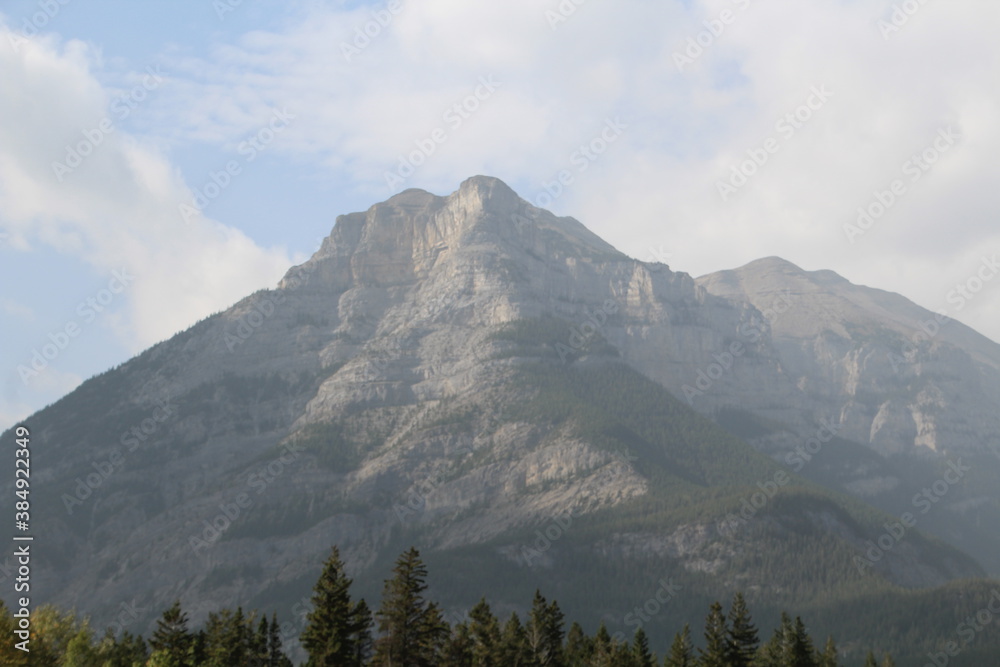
(171, 642)
(640, 650)
(127, 651)
(802, 652)
(545, 632)
(485, 632)
(602, 646)
(716, 651)
(829, 656)
(681, 650)
(887, 661)
(457, 651)
(361, 631)
(514, 644)
(870, 660)
(412, 629)
(275, 655)
(334, 632)
(579, 647)
(743, 638)
(229, 639)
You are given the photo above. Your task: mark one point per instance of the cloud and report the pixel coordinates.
(73, 178)
(891, 91)
(370, 89)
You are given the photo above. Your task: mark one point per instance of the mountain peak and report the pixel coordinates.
(400, 238)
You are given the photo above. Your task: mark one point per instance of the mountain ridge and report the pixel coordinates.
(481, 366)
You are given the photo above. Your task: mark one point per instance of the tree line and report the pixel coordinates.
(408, 630)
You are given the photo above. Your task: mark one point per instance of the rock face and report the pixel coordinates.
(373, 399)
(893, 375)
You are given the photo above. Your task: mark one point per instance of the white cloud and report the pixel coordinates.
(118, 209)
(654, 187)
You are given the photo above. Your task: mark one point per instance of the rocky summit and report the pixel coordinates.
(505, 390)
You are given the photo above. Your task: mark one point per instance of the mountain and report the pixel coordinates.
(913, 387)
(531, 408)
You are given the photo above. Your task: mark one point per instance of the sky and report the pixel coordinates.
(161, 160)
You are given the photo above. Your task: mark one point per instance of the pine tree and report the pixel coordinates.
(743, 638)
(485, 633)
(602, 646)
(579, 647)
(127, 651)
(887, 661)
(412, 629)
(640, 649)
(457, 651)
(333, 628)
(171, 642)
(716, 651)
(545, 632)
(229, 639)
(259, 644)
(777, 651)
(681, 651)
(621, 655)
(829, 656)
(870, 660)
(514, 644)
(802, 651)
(275, 655)
(361, 631)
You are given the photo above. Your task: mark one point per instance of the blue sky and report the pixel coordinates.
(650, 110)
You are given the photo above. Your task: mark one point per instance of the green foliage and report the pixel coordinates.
(545, 633)
(412, 634)
(413, 631)
(743, 639)
(716, 652)
(681, 650)
(338, 631)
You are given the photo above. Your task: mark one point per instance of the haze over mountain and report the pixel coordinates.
(502, 388)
